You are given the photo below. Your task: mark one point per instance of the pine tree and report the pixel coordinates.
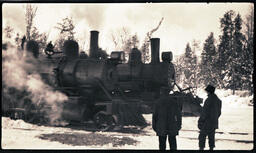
(194, 64)
(180, 77)
(188, 52)
(188, 59)
(232, 52)
(225, 47)
(247, 62)
(186, 68)
(234, 70)
(208, 63)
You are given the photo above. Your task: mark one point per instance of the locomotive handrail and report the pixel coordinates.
(181, 90)
(186, 89)
(51, 52)
(178, 86)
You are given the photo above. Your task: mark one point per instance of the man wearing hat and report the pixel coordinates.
(208, 121)
(166, 119)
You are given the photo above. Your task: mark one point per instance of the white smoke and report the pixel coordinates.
(21, 73)
(93, 15)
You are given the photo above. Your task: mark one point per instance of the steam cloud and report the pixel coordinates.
(13, 15)
(22, 75)
(93, 15)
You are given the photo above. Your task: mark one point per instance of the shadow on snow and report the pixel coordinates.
(90, 139)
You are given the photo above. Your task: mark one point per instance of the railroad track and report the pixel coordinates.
(219, 132)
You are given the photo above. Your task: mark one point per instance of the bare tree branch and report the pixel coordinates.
(145, 45)
(30, 13)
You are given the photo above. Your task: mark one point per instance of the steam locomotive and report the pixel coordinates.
(111, 92)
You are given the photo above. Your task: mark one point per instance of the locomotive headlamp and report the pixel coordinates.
(167, 56)
(117, 55)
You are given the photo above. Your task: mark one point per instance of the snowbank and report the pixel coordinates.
(240, 99)
(8, 123)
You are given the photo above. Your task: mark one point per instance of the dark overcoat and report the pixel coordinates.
(166, 118)
(210, 113)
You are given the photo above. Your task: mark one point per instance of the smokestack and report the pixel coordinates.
(94, 44)
(155, 45)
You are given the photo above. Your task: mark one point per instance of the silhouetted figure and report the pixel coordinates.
(50, 46)
(166, 119)
(49, 50)
(208, 121)
(23, 40)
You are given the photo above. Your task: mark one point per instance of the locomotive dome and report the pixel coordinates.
(71, 49)
(135, 55)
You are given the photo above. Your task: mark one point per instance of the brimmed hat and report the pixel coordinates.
(210, 88)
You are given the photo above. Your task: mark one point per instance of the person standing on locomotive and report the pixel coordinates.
(50, 47)
(166, 120)
(23, 40)
(208, 121)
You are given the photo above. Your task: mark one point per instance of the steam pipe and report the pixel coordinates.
(155, 45)
(93, 52)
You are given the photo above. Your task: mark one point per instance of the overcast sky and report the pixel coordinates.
(182, 22)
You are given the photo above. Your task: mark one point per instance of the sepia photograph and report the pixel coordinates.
(127, 76)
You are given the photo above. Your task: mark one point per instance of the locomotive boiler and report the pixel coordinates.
(112, 77)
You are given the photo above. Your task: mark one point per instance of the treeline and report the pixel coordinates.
(226, 63)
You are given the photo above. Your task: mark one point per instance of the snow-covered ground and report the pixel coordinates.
(235, 132)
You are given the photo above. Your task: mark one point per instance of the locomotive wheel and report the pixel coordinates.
(103, 121)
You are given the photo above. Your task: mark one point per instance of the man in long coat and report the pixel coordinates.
(208, 121)
(166, 119)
